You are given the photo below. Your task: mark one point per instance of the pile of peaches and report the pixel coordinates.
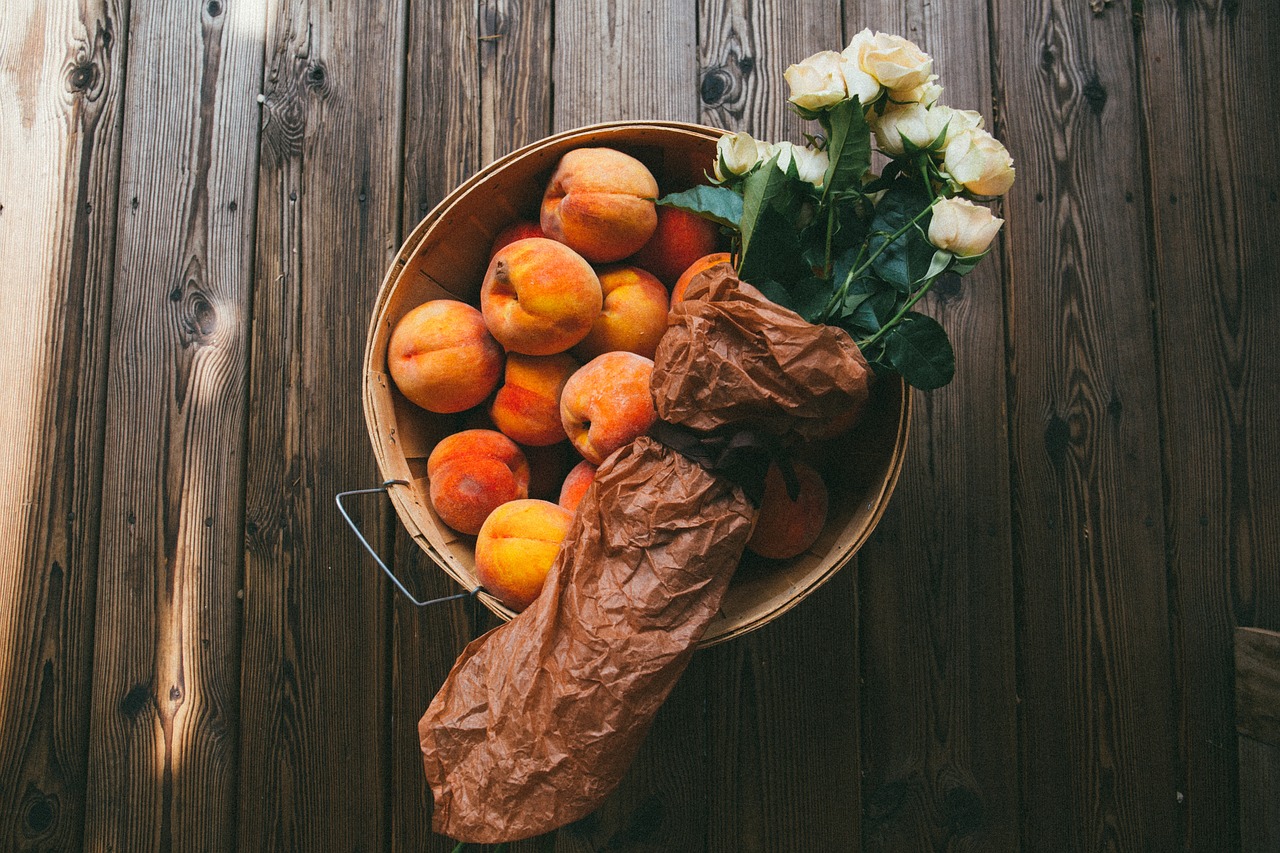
(560, 350)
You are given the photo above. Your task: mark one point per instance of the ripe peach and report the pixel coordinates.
(680, 239)
(785, 527)
(607, 403)
(473, 472)
(539, 297)
(527, 405)
(703, 263)
(512, 233)
(442, 357)
(516, 547)
(600, 203)
(575, 485)
(634, 316)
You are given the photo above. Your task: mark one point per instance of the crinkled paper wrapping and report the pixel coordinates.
(540, 718)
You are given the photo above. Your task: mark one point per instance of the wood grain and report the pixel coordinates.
(1259, 796)
(61, 86)
(624, 60)
(1213, 215)
(939, 738)
(163, 739)
(1257, 678)
(316, 707)
(782, 703)
(1098, 752)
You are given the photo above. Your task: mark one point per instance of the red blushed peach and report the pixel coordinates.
(600, 203)
(575, 485)
(785, 527)
(680, 239)
(442, 357)
(607, 403)
(527, 405)
(512, 233)
(473, 472)
(634, 316)
(701, 264)
(539, 297)
(516, 547)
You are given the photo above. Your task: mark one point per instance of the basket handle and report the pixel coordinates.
(365, 542)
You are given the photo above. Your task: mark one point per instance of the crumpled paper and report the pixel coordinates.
(540, 718)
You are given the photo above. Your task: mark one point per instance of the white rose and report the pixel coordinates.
(856, 79)
(979, 163)
(911, 122)
(953, 121)
(817, 82)
(894, 62)
(963, 228)
(811, 164)
(737, 154)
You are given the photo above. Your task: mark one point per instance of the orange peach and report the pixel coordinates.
(785, 527)
(680, 239)
(516, 547)
(607, 403)
(442, 357)
(512, 233)
(473, 472)
(600, 203)
(701, 264)
(539, 297)
(634, 316)
(575, 485)
(527, 405)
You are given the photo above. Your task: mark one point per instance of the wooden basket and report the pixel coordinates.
(446, 257)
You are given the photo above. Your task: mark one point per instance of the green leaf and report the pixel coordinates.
(964, 266)
(770, 210)
(809, 298)
(941, 259)
(776, 292)
(719, 204)
(907, 259)
(849, 149)
(918, 348)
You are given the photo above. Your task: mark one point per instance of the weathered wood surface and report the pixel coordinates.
(1035, 650)
(1257, 677)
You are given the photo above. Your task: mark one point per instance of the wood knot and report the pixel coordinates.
(39, 813)
(316, 78)
(1096, 94)
(135, 701)
(213, 8)
(716, 83)
(83, 77)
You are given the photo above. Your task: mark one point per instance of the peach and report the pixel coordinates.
(634, 316)
(527, 405)
(516, 547)
(512, 233)
(680, 239)
(785, 527)
(607, 403)
(575, 485)
(599, 202)
(539, 297)
(473, 472)
(704, 263)
(442, 357)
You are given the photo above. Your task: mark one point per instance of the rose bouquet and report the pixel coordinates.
(819, 232)
(540, 718)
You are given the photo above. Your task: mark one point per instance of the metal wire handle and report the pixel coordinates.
(365, 542)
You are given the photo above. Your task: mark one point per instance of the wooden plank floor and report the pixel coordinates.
(1033, 652)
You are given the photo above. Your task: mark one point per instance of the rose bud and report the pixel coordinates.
(978, 162)
(811, 164)
(817, 82)
(962, 228)
(954, 122)
(737, 154)
(909, 122)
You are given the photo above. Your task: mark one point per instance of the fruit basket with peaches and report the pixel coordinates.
(641, 387)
